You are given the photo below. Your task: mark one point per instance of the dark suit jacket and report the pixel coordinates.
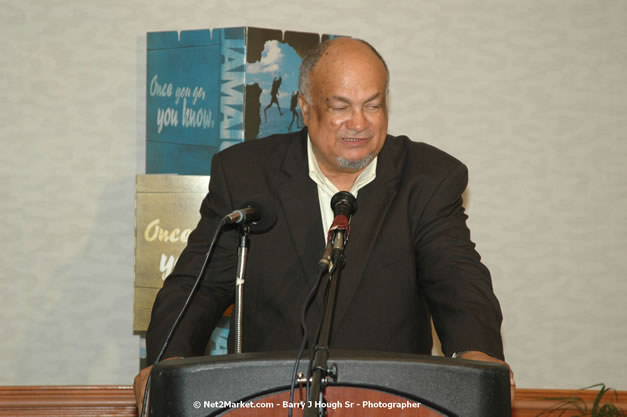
(409, 256)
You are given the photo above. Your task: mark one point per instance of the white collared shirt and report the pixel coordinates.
(326, 189)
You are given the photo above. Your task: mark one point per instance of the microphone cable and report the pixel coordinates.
(303, 324)
(343, 204)
(314, 350)
(183, 310)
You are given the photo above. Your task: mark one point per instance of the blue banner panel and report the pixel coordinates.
(194, 98)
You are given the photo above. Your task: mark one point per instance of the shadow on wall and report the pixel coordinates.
(77, 320)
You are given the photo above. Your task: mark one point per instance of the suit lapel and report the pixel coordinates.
(299, 197)
(373, 203)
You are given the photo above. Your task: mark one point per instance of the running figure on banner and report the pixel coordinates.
(274, 94)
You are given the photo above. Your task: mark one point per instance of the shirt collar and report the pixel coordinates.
(365, 177)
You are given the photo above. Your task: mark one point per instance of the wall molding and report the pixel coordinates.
(75, 400)
(118, 400)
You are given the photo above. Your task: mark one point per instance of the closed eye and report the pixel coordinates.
(373, 106)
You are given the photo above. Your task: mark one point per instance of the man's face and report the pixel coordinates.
(347, 110)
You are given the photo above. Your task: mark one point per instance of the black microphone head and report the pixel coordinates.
(267, 213)
(344, 203)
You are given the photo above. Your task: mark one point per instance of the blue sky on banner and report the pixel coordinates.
(278, 59)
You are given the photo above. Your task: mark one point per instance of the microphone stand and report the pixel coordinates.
(320, 368)
(238, 308)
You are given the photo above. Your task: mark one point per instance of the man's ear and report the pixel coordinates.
(304, 108)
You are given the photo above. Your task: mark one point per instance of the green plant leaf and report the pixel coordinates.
(599, 409)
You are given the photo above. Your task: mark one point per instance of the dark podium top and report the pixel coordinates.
(216, 385)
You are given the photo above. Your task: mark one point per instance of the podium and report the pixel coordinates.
(367, 384)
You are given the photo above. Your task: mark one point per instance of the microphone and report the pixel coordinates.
(260, 213)
(344, 205)
(244, 215)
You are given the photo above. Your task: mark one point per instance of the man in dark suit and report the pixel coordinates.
(408, 258)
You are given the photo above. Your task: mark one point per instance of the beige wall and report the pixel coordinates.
(532, 95)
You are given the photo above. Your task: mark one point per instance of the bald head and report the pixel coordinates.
(338, 48)
(343, 99)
